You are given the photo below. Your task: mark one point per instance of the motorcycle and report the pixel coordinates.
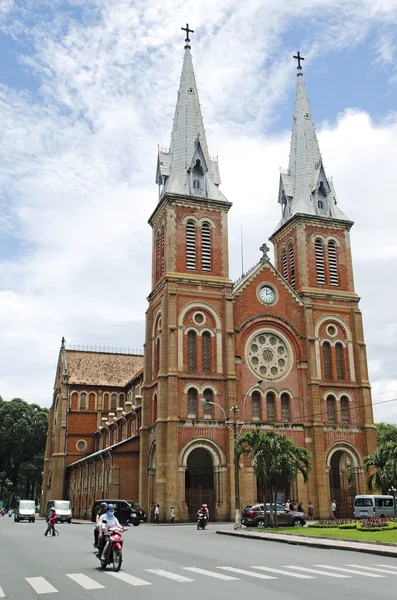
(113, 551)
(201, 520)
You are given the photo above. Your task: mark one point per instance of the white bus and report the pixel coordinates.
(367, 506)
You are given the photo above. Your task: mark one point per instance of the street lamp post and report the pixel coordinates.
(393, 490)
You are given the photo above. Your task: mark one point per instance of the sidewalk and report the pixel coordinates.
(318, 542)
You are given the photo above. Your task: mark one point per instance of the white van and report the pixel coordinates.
(62, 509)
(25, 511)
(373, 506)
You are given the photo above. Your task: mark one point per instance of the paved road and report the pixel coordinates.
(172, 561)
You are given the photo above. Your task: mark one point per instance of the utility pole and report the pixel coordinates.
(237, 522)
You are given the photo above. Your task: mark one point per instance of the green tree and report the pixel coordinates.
(276, 462)
(382, 467)
(386, 432)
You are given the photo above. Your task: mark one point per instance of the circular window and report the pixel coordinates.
(199, 318)
(331, 330)
(81, 445)
(269, 355)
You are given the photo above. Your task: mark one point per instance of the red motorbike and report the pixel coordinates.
(113, 550)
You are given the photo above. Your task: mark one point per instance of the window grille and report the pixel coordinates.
(83, 401)
(340, 370)
(206, 351)
(270, 406)
(256, 406)
(196, 184)
(331, 410)
(113, 402)
(191, 245)
(208, 395)
(285, 408)
(327, 360)
(285, 264)
(206, 247)
(191, 350)
(291, 265)
(333, 264)
(192, 403)
(162, 257)
(344, 409)
(158, 256)
(319, 252)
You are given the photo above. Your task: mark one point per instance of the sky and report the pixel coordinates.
(87, 93)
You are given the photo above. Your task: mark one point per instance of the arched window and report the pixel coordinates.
(192, 403)
(270, 407)
(285, 416)
(156, 357)
(196, 184)
(206, 351)
(320, 204)
(256, 406)
(191, 351)
(83, 401)
(327, 360)
(291, 265)
(162, 256)
(158, 256)
(116, 435)
(319, 252)
(333, 264)
(113, 402)
(154, 409)
(206, 247)
(340, 368)
(190, 245)
(284, 264)
(331, 410)
(209, 396)
(344, 409)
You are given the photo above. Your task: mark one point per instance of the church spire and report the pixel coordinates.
(187, 168)
(305, 189)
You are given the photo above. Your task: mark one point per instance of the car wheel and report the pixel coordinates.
(297, 523)
(69, 522)
(135, 523)
(260, 523)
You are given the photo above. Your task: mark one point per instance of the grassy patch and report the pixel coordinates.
(335, 533)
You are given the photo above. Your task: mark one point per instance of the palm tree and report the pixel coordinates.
(382, 467)
(276, 461)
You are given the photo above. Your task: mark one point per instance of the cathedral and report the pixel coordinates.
(281, 349)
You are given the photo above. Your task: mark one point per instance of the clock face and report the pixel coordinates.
(267, 294)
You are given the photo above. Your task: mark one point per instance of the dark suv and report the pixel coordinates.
(126, 511)
(254, 516)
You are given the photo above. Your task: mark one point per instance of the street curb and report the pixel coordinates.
(284, 538)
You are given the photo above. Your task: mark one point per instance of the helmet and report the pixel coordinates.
(205, 506)
(52, 509)
(110, 507)
(104, 504)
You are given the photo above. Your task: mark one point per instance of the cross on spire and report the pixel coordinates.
(299, 58)
(187, 39)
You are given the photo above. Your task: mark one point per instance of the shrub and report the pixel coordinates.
(347, 526)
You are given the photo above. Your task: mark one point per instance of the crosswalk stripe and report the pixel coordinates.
(86, 582)
(349, 571)
(41, 585)
(2, 594)
(374, 569)
(388, 566)
(169, 575)
(281, 572)
(128, 578)
(249, 573)
(316, 571)
(211, 574)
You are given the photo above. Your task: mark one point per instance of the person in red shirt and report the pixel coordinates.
(52, 519)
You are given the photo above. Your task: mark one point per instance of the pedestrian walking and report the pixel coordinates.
(287, 505)
(310, 511)
(156, 513)
(334, 509)
(172, 514)
(51, 521)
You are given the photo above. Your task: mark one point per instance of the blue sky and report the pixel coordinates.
(87, 91)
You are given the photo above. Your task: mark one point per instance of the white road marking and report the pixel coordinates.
(349, 571)
(41, 585)
(86, 582)
(281, 572)
(211, 574)
(249, 573)
(128, 578)
(388, 566)
(169, 575)
(374, 569)
(2, 594)
(316, 571)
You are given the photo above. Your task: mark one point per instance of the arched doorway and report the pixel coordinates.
(344, 481)
(199, 482)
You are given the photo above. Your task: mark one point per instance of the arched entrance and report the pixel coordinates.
(345, 476)
(199, 482)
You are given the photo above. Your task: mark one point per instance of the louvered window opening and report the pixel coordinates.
(331, 410)
(292, 266)
(319, 251)
(83, 401)
(285, 407)
(192, 403)
(256, 406)
(191, 245)
(206, 247)
(340, 370)
(157, 357)
(154, 409)
(270, 407)
(208, 395)
(113, 402)
(344, 409)
(333, 264)
(162, 266)
(158, 256)
(327, 361)
(206, 351)
(191, 350)
(285, 265)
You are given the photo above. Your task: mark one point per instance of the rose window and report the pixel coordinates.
(269, 356)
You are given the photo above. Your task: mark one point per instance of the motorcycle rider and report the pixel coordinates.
(202, 513)
(106, 520)
(100, 512)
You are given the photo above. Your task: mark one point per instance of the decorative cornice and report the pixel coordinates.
(271, 316)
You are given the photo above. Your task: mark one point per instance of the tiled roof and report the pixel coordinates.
(101, 368)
